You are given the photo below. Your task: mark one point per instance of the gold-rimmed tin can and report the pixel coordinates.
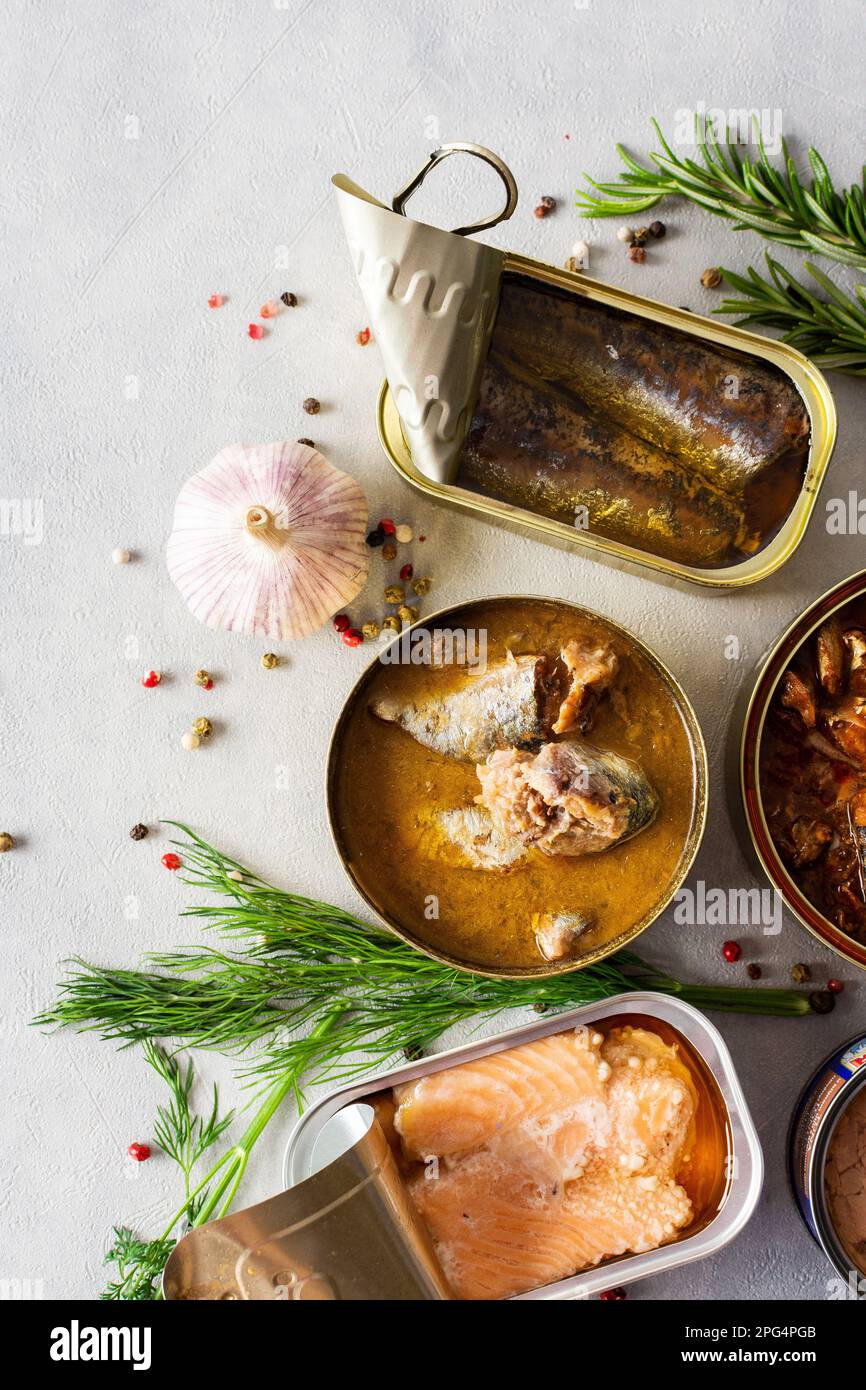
(809, 382)
(773, 667)
(450, 618)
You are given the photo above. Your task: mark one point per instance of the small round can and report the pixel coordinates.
(816, 1115)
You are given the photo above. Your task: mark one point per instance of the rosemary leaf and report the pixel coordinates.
(752, 193)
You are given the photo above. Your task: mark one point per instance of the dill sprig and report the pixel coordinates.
(831, 331)
(313, 992)
(753, 194)
(296, 961)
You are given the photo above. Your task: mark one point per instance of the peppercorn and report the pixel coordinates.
(290, 300)
(835, 986)
(6, 842)
(821, 1001)
(341, 622)
(352, 637)
(612, 1295)
(412, 1052)
(422, 585)
(625, 234)
(370, 631)
(202, 727)
(203, 678)
(309, 443)
(312, 406)
(363, 338)
(151, 679)
(657, 229)
(640, 236)
(407, 612)
(375, 537)
(140, 1152)
(270, 660)
(138, 832)
(190, 741)
(406, 572)
(548, 203)
(389, 552)
(403, 534)
(637, 254)
(540, 1007)
(387, 527)
(391, 623)
(754, 972)
(732, 950)
(172, 861)
(711, 278)
(394, 594)
(800, 973)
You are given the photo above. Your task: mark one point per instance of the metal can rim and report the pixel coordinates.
(821, 1227)
(697, 826)
(795, 634)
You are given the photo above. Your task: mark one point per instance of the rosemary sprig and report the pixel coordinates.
(831, 331)
(753, 194)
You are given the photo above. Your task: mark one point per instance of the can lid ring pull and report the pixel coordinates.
(399, 201)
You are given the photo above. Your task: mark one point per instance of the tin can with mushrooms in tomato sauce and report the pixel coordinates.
(827, 1164)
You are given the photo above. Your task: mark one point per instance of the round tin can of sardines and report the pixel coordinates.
(827, 1163)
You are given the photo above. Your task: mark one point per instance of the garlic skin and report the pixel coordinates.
(268, 539)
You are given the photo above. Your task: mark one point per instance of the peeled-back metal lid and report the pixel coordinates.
(431, 298)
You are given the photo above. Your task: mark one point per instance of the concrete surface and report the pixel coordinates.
(156, 153)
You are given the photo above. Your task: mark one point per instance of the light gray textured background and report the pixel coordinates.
(154, 153)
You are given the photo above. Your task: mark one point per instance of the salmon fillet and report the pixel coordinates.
(549, 1158)
(452, 1111)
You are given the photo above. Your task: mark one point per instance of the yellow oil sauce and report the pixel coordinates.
(384, 785)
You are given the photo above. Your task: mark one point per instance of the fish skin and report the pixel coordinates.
(515, 703)
(466, 837)
(556, 933)
(540, 448)
(569, 798)
(658, 383)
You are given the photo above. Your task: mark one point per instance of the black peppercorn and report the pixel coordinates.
(138, 832)
(289, 299)
(657, 229)
(754, 972)
(821, 1001)
(376, 537)
(312, 406)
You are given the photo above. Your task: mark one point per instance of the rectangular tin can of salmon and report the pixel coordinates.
(810, 383)
(337, 1121)
(434, 299)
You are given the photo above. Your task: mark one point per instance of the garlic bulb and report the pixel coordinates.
(269, 540)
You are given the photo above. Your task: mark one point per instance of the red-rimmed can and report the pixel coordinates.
(837, 599)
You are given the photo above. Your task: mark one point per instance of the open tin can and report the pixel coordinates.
(728, 1176)
(446, 313)
(383, 889)
(820, 1111)
(846, 601)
